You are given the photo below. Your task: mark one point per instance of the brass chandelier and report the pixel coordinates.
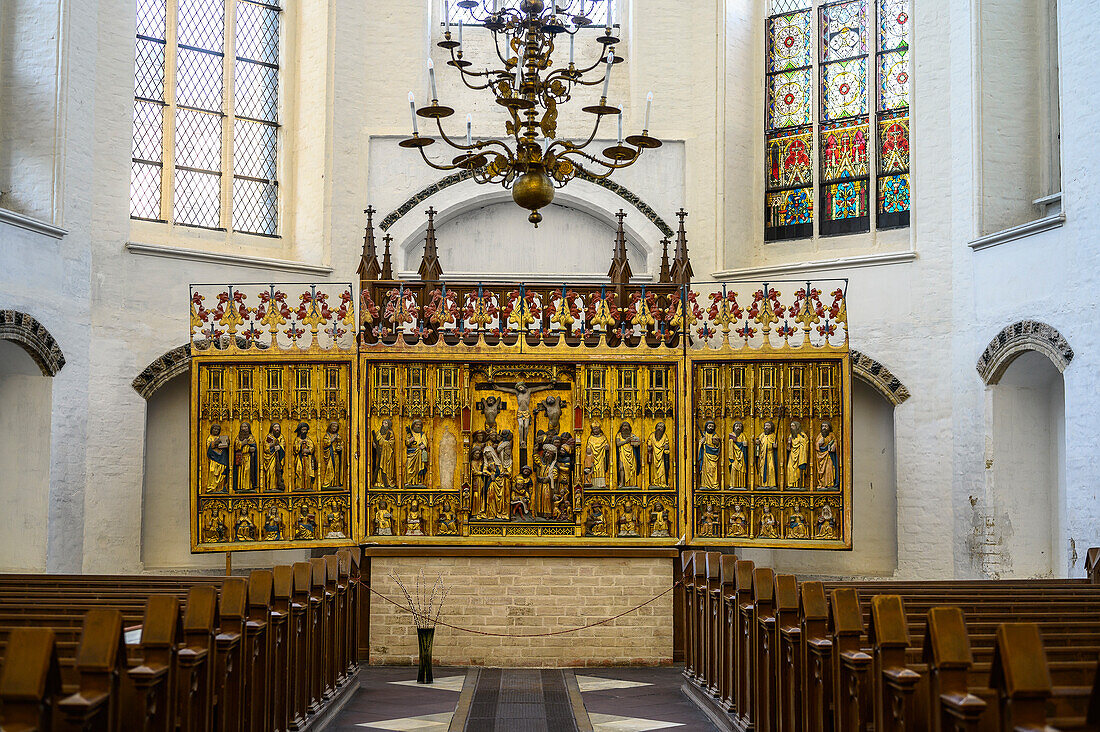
(531, 160)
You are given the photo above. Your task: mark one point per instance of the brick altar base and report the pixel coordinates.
(529, 591)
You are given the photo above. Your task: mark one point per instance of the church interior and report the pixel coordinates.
(549, 364)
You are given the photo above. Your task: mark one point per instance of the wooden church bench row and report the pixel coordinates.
(767, 653)
(266, 653)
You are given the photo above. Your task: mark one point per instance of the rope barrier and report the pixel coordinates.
(531, 635)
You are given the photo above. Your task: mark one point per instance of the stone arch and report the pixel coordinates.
(878, 377)
(163, 369)
(33, 337)
(1017, 339)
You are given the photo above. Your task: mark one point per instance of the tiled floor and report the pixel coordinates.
(617, 700)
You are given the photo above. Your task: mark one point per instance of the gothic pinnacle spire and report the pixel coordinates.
(430, 268)
(368, 262)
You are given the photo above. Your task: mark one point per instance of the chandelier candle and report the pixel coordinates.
(412, 108)
(528, 157)
(648, 105)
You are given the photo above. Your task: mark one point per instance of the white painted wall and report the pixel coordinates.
(927, 314)
(25, 396)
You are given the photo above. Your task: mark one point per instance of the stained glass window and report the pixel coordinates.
(856, 111)
(185, 171)
(583, 13)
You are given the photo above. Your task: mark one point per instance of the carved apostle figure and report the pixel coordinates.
(827, 460)
(798, 456)
(215, 529)
(547, 463)
(739, 522)
(796, 524)
(767, 457)
(274, 457)
(768, 527)
(708, 521)
(520, 503)
(658, 452)
(273, 525)
(660, 525)
(413, 520)
(551, 406)
(448, 523)
(306, 524)
(737, 453)
(628, 519)
(594, 522)
(707, 456)
(335, 521)
(496, 503)
(384, 461)
(383, 519)
(245, 530)
(597, 457)
(504, 450)
(628, 454)
(332, 448)
(825, 526)
(217, 457)
(416, 454)
(305, 459)
(246, 470)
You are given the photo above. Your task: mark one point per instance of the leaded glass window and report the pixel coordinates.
(821, 87)
(206, 114)
(583, 13)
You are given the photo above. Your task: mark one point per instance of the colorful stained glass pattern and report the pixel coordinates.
(789, 99)
(893, 135)
(843, 30)
(787, 208)
(844, 152)
(893, 194)
(846, 200)
(789, 42)
(893, 24)
(893, 80)
(845, 89)
(790, 160)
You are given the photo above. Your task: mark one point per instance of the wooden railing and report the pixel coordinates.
(765, 652)
(266, 653)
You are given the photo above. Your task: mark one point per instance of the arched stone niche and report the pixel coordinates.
(1017, 339)
(33, 337)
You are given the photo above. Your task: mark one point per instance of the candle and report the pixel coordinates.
(447, 15)
(469, 130)
(494, 7)
(648, 105)
(608, 23)
(607, 74)
(545, 144)
(460, 31)
(571, 39)
(620, 125)
(412, 108)
(431, 78)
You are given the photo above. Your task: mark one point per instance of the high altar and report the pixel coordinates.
(440, 412)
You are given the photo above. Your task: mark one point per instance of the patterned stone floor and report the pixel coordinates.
(617, 700)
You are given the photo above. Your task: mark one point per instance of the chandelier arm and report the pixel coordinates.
(496, 44)
(601, 60)
(567, 145)
(475, 87)
(611, 166)
(434, 165)
(466, 73)
(479, 145)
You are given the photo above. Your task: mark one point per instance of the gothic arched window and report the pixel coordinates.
(819, 89)
(206, 114)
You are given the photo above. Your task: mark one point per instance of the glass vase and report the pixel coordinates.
(424, 637)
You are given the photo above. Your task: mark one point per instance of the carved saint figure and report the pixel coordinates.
(707, 456)
(739, 522)
(594, 523)
(547, 463)
(708, 521)
(217, 456)
(504, 450)
(246, 530)
(335, 521)
(384, 458)
(596, 457)
(332, 450)
(305, 459)
(737, 453)
(827, 462)
(798, 456)
(658, 452)
(306, 525)
(416, 454)
(491, 406)
(551, 406)
(566, 446)
(628, 454)
(413, 520)
(628, 519)
(274, 457)
(246, 473)
(563, 504)
(767, 457)
(825, 526)
(448, 524)
(383, 519)
(215, 530)
(496, 504)
(523, 394)
(660, 525)
(796, 524)
(768, 527)
(477, 470)
(273, 525)
(521, 494)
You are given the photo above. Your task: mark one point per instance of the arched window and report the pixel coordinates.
(817, 89)
(206, 114)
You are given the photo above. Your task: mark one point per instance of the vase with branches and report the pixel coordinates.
(425, 603)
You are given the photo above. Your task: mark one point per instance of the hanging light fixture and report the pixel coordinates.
(531, 159)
